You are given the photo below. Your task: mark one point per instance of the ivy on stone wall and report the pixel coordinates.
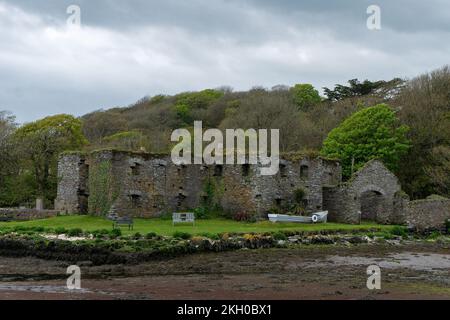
(102, 191)
(213, 191)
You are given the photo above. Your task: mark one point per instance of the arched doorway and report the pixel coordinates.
(372, 205)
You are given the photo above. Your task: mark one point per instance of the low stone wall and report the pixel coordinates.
(428, 214)
(26, 214)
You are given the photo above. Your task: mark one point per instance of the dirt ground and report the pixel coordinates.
(309, 272)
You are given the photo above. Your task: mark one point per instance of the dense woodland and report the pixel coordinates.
(409, 128)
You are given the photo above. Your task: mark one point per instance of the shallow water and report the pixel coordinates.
(302, 273)
(41, 289)
(410, 260)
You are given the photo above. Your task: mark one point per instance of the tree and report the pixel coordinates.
(305, 96)
(268, 110)
(357, 89)
(7, 154)
(424, 105)
(101, 124)
(438, 170)
(189, 102)
(127, 140)
(42, 141)
(372, 133)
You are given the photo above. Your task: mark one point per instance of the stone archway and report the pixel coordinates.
(372, 202)
(372, 205)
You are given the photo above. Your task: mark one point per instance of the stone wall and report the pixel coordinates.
(26, 214)
(72, 181)
(427, 214)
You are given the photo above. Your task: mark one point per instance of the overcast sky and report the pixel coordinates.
(125, 50)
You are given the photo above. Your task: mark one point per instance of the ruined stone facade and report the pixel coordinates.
(73, 183)
(148, 185)
(372, 194)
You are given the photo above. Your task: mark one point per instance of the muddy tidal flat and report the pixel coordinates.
(313, 272)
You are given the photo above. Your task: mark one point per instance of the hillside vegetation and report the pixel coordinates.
(415, 119)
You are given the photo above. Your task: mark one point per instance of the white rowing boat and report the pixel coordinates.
(314, 218)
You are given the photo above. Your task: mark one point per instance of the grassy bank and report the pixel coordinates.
(165, 228)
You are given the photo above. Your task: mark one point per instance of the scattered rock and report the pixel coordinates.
(357, 239)
(321, 240)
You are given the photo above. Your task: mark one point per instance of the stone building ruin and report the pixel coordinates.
(149, 185)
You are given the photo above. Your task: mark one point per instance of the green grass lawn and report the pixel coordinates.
(164, 227)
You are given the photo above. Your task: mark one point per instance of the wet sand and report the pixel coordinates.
(329, 272)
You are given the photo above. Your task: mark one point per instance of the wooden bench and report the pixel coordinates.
(6, 218)
(122, 221)
(183, 217)
(125, 221)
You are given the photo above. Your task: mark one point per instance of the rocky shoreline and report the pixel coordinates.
(137, 249)
(410, 270)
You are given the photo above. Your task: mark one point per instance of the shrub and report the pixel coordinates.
(399, 231)
(387, 235)
(434, 235)
(182, 235)
(447, 226)
(201, 213)
(137, 236)
(19, 228)
(225, 236)
(212, 236)
(275, 210)
(60, 230)
(151, 235)
(243, 216)
(100, 233)
(279, 235)
(127, 248)
(166, 216)
(197, 239)
(299, 195)
(249, 236)
(38, 229)
(75, 232)
(115, 233)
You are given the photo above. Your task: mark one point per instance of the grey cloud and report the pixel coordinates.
(128, 49)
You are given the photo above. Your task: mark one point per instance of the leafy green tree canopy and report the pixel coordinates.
(62, 131)
(186, 102)
(41, 142)
(305, 96)
(127, 140)
(372, 133)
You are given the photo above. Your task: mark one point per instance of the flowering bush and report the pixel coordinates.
(243, 216)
